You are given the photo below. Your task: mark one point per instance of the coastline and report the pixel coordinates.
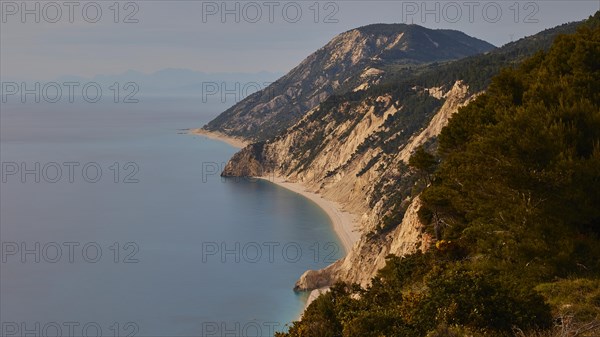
(235, 142)
(344, 223)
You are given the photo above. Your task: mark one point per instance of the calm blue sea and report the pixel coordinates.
(113, 223)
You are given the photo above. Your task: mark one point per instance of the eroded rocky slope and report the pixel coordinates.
(333, 154)
(355, 59)
(353, 148)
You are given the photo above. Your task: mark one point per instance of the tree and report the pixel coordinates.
(424, 162)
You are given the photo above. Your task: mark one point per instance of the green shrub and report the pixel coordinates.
(577, 297)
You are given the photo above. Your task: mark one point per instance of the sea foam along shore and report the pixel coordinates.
(344, 223)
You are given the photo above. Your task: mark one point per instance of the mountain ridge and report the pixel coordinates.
(353, 58)
(354, 149)
(501, 232)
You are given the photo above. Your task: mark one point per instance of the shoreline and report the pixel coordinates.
(235, 142)
(344, 223)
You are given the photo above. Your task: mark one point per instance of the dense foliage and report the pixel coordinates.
(515, 206)
(478, 70)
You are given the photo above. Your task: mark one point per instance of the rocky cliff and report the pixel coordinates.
(353, 60)
(334, 156)
(353, 148)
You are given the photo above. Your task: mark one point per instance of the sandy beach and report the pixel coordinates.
(235, 142)
(344, 223)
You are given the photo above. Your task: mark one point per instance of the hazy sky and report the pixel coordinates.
(204, 35)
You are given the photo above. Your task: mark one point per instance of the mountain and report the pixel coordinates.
(354, 149)
(501, 235)
(355, 59)
(369, 149)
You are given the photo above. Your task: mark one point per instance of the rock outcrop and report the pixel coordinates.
(353, 147)
(354, 60)
(336, 157)
(370, 254)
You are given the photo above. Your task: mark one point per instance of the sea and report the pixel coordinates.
(114, 221)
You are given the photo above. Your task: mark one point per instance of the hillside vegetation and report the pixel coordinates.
(354, 149)
(512, 200)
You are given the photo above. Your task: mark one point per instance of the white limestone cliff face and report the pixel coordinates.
(344, 60)
(369, 254)
(352, 61)
(333, 168)
(456, 98)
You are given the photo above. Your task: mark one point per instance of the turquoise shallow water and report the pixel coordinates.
(180, 252)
